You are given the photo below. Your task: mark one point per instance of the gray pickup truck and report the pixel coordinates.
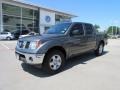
(64, 40)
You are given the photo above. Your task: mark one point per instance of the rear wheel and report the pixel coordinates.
(8, 38)
(99, 50)
(54, 62)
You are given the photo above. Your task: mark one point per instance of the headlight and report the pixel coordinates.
(17, 44)
(34, 45)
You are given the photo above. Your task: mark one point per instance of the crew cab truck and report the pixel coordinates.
(53, 48)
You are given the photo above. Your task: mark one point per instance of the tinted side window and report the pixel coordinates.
(78, 27)
(4, 33)
(89, 29)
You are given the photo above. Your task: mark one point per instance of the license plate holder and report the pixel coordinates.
(22, 58)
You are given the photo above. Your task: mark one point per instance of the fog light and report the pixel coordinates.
(31, 59)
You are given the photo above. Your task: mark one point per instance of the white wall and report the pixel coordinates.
(43, 15)
(43, 22)
(42, 29)
(0, 16)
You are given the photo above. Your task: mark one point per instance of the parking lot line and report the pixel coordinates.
(5, 46)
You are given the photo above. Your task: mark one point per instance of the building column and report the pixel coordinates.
(41, 27)
(39, 21)
(1, 20)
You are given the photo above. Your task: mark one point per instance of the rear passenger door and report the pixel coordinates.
(90, 36)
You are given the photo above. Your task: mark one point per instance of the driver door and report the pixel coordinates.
(77, 39)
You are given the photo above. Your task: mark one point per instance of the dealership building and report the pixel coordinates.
(17, 15)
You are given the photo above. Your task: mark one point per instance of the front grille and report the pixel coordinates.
(21, 45)
(27, 45)
(24, 44)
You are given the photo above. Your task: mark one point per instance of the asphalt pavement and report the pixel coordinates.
(85, 72)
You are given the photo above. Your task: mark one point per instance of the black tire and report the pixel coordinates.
(99, 51)
(48, 60)
(8, 38)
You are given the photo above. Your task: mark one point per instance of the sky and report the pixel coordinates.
(101, 12)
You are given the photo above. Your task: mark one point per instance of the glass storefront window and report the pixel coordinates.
(36, 23)
(11, 28)
(27, 13)
(28, 23)
(12, 21)
(36, 29)
(11, 10)
(36, 14)
(18, 19)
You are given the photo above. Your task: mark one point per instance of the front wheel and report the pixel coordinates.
(54, 62)
(99, 50)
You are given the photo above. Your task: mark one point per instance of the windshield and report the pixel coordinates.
(58, 29)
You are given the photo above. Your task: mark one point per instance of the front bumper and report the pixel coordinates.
(32, 59)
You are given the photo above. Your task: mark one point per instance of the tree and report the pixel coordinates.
(97, 27)
(113, 30)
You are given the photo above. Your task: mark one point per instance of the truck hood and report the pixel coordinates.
(43, 37)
